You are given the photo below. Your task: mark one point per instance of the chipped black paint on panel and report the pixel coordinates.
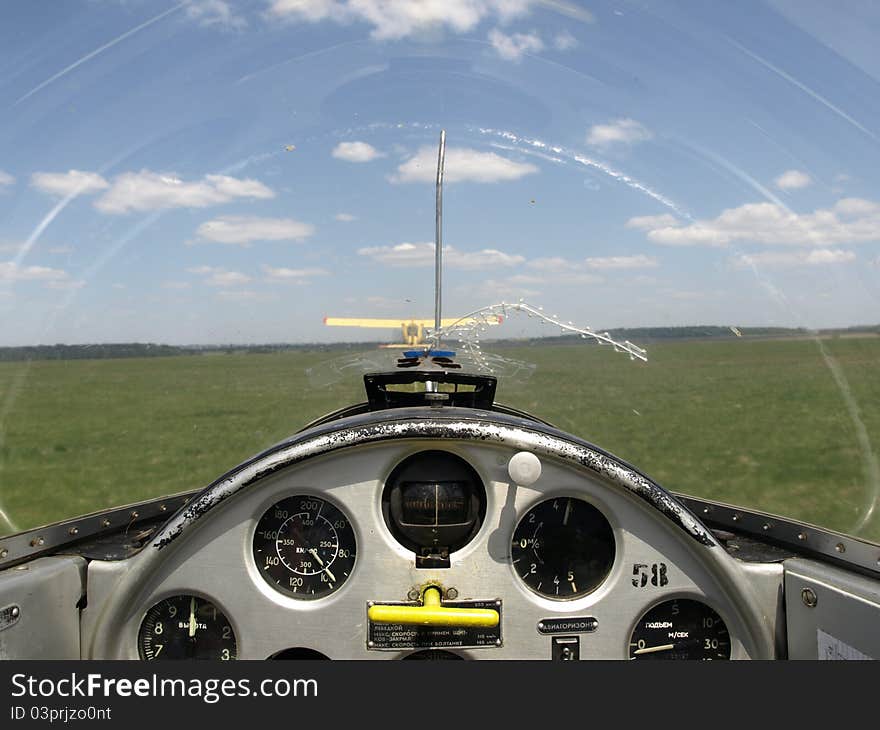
(452, 424)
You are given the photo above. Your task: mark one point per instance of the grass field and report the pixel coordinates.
(760, 423)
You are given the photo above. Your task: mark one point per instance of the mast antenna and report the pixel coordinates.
(438, 241)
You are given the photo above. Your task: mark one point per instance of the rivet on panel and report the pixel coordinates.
(809, 597)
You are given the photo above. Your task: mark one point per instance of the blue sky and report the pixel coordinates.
(216, 171)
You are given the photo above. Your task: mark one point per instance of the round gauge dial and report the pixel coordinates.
(680, 629)
(186, 627)
(563, 548)
(305, 547)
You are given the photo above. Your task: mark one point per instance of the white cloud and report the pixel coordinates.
(175, 285)
(856, 206)
(292, 276)
(395, 19)
(345, 217)
(487, 258)
(622, 131)
(647, 222)
(564, 41)
(215, 276)
(785, 259)
(556, 271)
(573, 276)
(792, 180)
(242, 231)
(622, 262)
(462, 164)
(850, 220)
(72, 182)
(512, 47)
(552, 264)
(411, 255)
(6, 179)
(14, 248)
(147, 190)
(356, 152)
(217, 13)
(11, 271)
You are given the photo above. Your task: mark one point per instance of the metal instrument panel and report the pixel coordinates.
(654, 561)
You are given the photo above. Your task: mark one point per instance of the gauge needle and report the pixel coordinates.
(567, 512)
(652, 649)
(192, 617)
(321, 563)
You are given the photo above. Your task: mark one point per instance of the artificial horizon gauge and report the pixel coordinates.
(563, 548)
(680, 629)
(186, 627)
(304, 547)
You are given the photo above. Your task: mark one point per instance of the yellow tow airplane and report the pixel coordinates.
(412, 330)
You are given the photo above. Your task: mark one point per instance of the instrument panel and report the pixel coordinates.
(382, 552)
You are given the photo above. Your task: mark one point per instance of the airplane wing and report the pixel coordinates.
(388, 323)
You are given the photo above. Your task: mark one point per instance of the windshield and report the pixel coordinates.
(204, 204)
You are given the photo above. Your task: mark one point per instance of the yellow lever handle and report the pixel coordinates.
(432, 613)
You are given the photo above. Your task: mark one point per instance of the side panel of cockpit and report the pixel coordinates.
(39, 609)
(832, 613)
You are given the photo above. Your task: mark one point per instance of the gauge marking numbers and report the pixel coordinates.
(304, 547)
(186, 627)
(682, 628)
(563, 548)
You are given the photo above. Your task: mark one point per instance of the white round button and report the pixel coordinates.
(524, 468)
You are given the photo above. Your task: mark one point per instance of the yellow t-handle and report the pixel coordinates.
(432, 613)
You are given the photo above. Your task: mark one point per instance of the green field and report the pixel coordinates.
(760, 423)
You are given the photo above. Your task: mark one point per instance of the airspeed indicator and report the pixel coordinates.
(304, 547)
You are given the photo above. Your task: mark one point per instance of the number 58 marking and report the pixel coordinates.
(656, 575)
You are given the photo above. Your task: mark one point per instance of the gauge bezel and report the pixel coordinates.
(735, 643)
(397, 532)
(158, 598)
(582, 600)
(465, 453)
(253, 568)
